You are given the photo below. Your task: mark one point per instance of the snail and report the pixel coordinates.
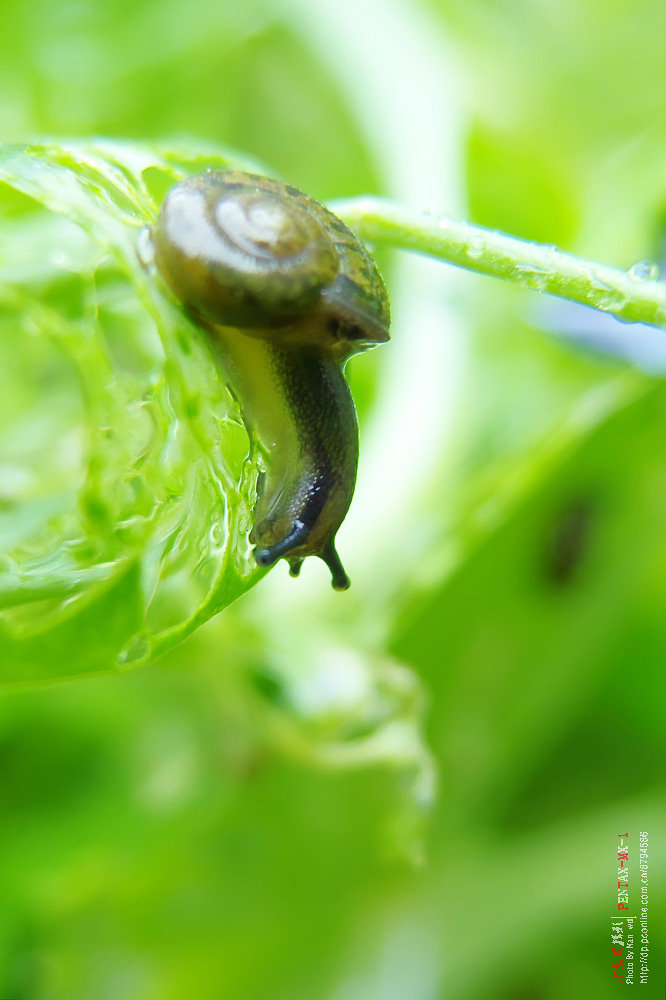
(287, 294)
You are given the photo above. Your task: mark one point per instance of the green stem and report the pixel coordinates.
(534, 265)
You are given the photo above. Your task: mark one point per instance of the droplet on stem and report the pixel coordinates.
(644, 270)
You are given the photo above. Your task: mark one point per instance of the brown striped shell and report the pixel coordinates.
(242, 250)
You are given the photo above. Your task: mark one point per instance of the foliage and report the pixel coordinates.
(217, 823)
(126, 524)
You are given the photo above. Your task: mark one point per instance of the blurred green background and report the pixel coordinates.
(253, 815)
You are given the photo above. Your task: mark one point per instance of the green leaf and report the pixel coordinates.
(125, 487)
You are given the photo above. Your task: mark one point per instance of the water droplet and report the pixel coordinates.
(474, 248)
(598, 281)
(644, 270)
(218, 534)
(531, 276)
(609, 302)
(136, 649)
(145, 248)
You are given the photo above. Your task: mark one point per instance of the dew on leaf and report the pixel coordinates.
(136, 649)
(145, 248)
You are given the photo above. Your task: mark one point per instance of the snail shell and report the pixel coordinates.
(287, 294)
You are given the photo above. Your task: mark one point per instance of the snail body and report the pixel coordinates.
(287, 294)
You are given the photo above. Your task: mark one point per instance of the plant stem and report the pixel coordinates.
(629, 297)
